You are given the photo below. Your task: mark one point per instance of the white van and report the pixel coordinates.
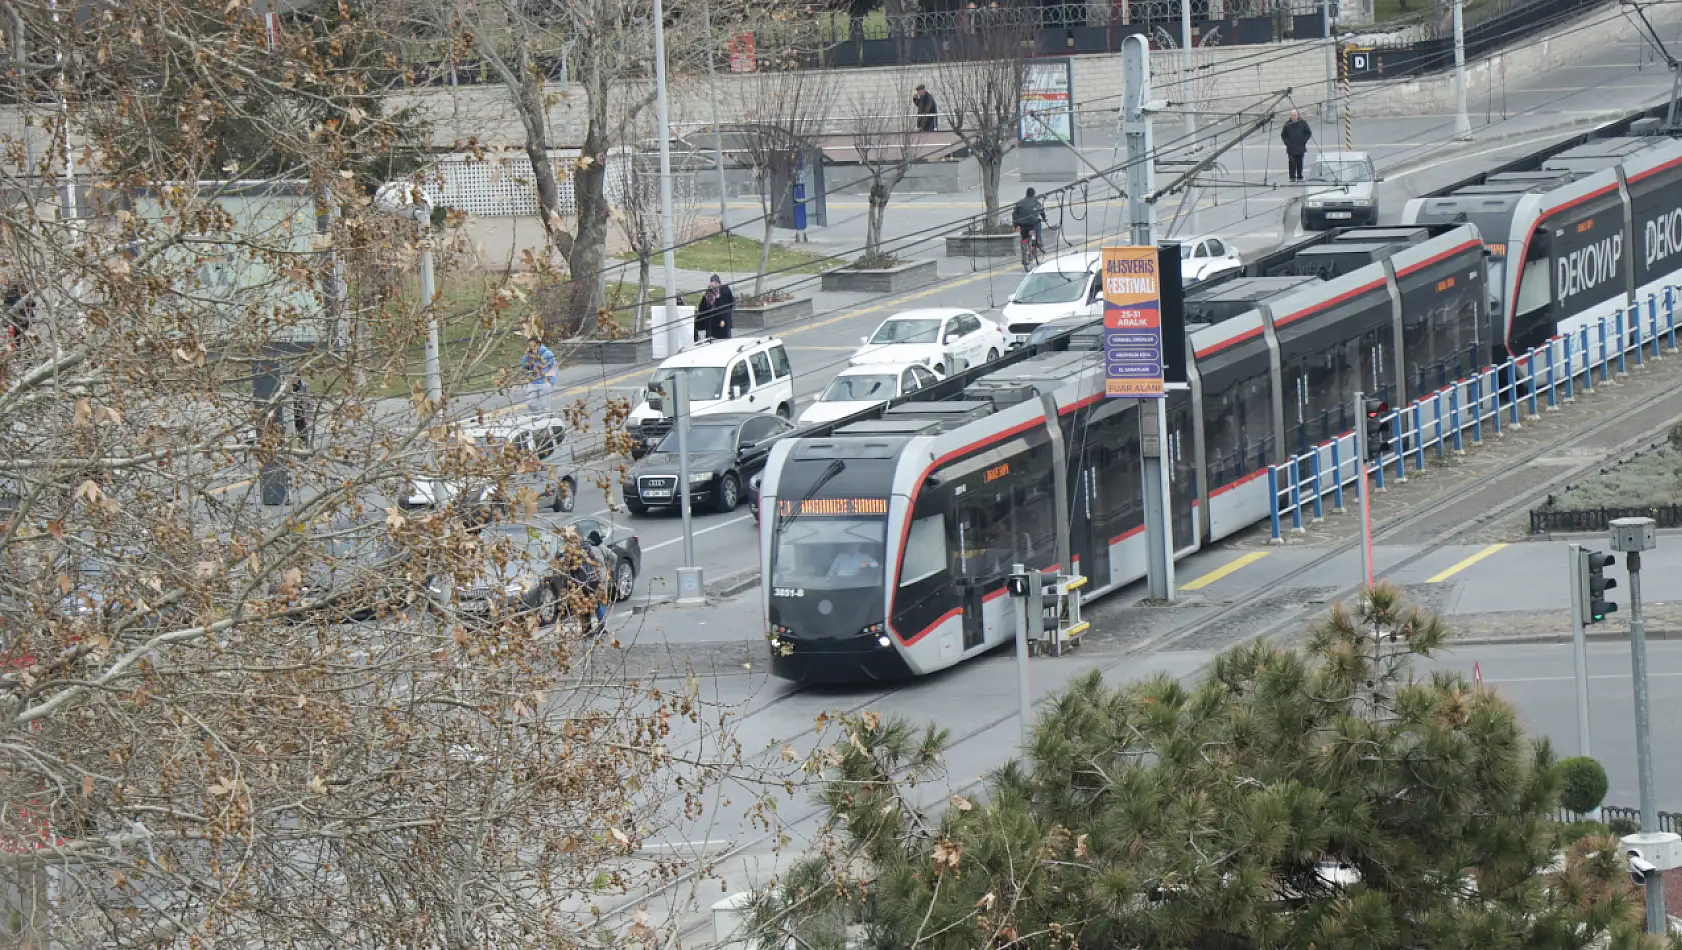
(1067, 286)
(750, 374)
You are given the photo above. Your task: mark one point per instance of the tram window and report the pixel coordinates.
(925, 550)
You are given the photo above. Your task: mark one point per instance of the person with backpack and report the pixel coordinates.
(1027, 216)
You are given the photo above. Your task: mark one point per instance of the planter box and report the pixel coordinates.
(998, 245)
(773, 314)
(892, 280)
(628, 349)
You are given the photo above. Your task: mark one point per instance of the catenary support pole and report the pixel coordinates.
(1153, 414)
(1188, 103)
(1360, 417)
(1331, 62)
(668, 240)
(691, 588)
(1462, 121)
(1656, 923)
(429, 291)
(718, 133)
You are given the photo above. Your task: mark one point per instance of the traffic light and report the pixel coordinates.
(1378, 428)
(1592, 584)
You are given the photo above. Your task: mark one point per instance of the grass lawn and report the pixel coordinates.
(1652, 478)
(739, 254)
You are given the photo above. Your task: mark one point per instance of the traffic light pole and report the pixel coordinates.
(1579, 644)
(1025, 607)
(1632, 536)
(1360, 415)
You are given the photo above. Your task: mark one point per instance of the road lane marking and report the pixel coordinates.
(679, 538)
(1568, 679)
(228, 488)
(1229, 568)
(1468, 562)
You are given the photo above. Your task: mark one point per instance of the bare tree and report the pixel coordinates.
(784, 112)
(633, 188)
(340, 720)
(886, 145)
(982, 96)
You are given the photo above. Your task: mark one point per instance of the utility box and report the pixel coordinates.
(1633, 534)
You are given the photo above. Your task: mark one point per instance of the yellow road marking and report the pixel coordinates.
(1230, 567)
(228, 488)
(1468, 562)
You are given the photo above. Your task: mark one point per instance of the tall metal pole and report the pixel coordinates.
(1579, 647)
(1360, 417)
(1644, 736)
(718, 135)
(690, 587)
(1462, 121)
(1331, 62)
(1189, 95)
(1141, 212)
(434, 375)
(668, 231)
(1024, 613)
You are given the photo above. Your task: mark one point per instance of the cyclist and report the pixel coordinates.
(1027, 217)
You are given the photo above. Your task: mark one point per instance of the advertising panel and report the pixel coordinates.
(1132, 323)
(1047, 116)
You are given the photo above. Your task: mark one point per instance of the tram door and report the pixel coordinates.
(971, 563)
(1085, 541)
(1182, 473)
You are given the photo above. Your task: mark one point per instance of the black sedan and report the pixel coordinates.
(719, 462)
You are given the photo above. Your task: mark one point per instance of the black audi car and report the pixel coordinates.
(719, 462)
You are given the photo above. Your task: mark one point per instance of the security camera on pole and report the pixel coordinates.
(1651, 852)
(406, 201)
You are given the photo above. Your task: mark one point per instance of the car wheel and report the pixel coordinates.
(784, 412)
(624, 580)
(992, 355)
(729, 493)
(636, 507)
(566, 495)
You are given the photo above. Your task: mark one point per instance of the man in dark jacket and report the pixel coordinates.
(926, 109)
(718, 310)
(1295, 135)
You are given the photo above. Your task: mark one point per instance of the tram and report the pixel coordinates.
(887, 538)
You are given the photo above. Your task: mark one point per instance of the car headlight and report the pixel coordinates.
(1316, 203)
(700, 478)
(1363, 202)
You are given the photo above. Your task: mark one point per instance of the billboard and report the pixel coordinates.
(1047, 102)
(1132, 323)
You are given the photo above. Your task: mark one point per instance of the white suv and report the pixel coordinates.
(1067, 286)
(750, 374)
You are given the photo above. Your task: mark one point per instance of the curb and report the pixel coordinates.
(728, 585)
(1662, 633)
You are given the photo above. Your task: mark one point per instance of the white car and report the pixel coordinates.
(857, 388)
(1204, 257)
(552, 477)
(1067, 286)
(1352, 198)
(746, 374)
(944, 340)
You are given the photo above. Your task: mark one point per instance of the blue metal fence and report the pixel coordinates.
(1447, 419)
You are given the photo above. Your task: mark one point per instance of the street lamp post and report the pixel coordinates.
(406, 201)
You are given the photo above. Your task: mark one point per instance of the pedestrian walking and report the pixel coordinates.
(926, 109)
(1295, 135)
(300, 409)
(718, 310)
(541, 370)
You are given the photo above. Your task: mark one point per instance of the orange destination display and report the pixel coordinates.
(1132, 323)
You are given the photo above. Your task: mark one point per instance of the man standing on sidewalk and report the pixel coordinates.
(926, 109)
(1295, 135)
(718, 310)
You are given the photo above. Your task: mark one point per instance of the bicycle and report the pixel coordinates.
(1029, 249)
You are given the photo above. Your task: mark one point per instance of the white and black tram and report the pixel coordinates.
(886, 538)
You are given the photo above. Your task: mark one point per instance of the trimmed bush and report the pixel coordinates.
(1582, 784)
(1578, 830)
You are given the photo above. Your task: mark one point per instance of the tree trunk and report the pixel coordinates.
(645, 262)
(989, 163)
(528, 103)
(589, 247)
(873, 234)
(764, 256)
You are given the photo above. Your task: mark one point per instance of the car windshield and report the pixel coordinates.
(1185, 252)
(1052, 286)
(702, 439)
(908, 331)
(825, 552)
(1344, 173)
(858, 388)
(704, 382)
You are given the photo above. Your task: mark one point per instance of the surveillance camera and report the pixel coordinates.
(1639, 867)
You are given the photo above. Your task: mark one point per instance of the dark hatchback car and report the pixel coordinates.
(718, 471)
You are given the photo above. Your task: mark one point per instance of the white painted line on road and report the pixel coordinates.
(1569, 679)
(679, 539)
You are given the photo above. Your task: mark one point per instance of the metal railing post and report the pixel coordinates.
(1442, 444)
(1398, 423)
(1570, 373)
(1605, 356)
(1319, 512)
(1477, 410)
(1418, 440)
(1296, 494)
(1653, 322)
(1495, 415)
(1670, 315)
(1454, 417)
(1553, 386)
(1530, 374)
(1588, 364)
(1618, 326)
(1273, 500)
(1337, 479)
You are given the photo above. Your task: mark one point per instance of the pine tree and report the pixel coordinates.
(1332, 796)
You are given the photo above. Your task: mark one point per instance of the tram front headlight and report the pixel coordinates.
(879, 631)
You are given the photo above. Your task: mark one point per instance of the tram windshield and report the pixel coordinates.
(821, 552)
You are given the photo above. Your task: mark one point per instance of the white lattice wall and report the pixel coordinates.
(496, 186)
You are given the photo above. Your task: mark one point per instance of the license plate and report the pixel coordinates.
(1340, 215)
(657, 492)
